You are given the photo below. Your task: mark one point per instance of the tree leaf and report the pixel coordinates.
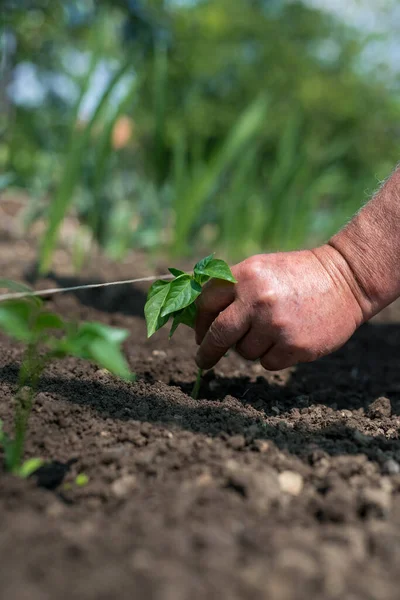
(187, 316)
(176, 272)
(154, 305)
(217, 269)
(29, 467)
(183, 291)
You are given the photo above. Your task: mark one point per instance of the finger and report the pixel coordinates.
(229, 327)
(256, 343)
(215, 297)
(278, 358)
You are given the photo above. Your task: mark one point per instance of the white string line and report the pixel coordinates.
(75, 288)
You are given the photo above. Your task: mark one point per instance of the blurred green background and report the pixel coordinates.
(238, 126)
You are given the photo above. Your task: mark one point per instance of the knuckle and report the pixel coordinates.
(246, 352)
(254, 267)
(281, 323)
(266, 298)
(217, 334)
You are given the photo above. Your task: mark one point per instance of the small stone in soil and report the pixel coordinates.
(375, 502)
(262, 446)
(237, 442)
(291, 482)
(381, 407)
(123, 486)
(346, 413)
(261, 488)
(159, 353)
(391, 467)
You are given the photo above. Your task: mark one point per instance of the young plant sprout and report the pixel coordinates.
(175, 300)
(48, 337)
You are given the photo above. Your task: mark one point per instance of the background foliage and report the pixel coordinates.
(242, 126)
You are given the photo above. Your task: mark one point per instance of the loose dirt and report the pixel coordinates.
(281, 486)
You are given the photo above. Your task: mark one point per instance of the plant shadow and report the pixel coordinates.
(239, 405)
(126, 299)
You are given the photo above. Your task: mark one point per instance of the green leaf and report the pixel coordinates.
(156, 287)
(183, 291)
(112, 335)
(20, 288)
(187, 316)
(29, 467)
(47, 320)
(203, 263)
(155, 302)
(200, 277)
(15, 319)
(97, 342)
(215, 268)
(176, 272)
(110, 357)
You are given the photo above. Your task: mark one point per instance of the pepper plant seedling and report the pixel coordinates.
(48, 337)
(175, 299)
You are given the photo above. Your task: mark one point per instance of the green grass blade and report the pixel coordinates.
(190, 203)
(160, 100)
(103, 155)
(71, 174)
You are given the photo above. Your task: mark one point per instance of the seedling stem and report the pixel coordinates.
(197, 384)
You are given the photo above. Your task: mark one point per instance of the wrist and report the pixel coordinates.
(370, 246)
(369, 253)
(345, 282)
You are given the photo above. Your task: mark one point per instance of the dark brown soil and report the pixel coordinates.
(272, 486)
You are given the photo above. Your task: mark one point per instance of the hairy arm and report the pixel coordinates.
(370, 245)
(292, 307)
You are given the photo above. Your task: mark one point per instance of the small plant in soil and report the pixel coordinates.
(175, 300)
(48, 337)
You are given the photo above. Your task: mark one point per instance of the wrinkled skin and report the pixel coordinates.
(298, 306)
(286, 308)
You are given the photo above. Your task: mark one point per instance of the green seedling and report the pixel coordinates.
(175, 300)
(48, 337)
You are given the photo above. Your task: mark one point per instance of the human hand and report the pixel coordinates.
(286, 308)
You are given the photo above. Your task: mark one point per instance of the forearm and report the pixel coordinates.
(370, 246)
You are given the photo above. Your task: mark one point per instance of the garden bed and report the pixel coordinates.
(282, 486)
